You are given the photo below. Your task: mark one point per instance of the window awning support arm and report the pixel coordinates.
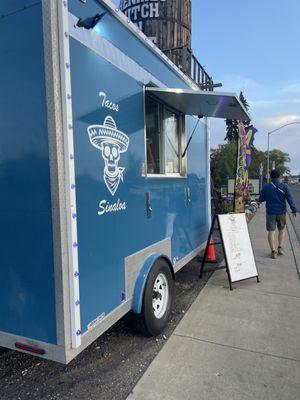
(191, 137)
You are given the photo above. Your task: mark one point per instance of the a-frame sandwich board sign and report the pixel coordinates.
(237, 248)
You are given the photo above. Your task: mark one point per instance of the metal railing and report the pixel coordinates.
(185, 59)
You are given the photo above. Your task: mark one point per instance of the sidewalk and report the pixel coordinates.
(240, 345)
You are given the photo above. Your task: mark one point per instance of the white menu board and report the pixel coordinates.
(238, 247)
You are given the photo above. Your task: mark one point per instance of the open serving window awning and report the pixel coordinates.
(205, 104)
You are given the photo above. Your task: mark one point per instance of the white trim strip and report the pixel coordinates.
(70, 173)
(208, 186)
(110, 53)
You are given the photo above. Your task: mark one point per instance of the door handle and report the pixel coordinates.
(187, 196)
(148, 205)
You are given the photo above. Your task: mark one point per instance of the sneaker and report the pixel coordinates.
(280, 251)
(273, 254)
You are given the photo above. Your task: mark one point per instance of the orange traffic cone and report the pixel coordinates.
(211, 255)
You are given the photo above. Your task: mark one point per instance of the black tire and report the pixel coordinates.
(153, 326)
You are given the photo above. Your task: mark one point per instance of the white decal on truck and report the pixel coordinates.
(105, 102)
(112, 144)
(141, 9)
(105, 207)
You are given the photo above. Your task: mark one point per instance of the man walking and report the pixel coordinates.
(275, 194)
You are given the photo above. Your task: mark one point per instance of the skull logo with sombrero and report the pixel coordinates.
(112, 143)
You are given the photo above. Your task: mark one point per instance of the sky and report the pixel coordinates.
(254, 46)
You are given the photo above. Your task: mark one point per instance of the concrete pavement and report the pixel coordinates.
(295, 190)
(240, 345)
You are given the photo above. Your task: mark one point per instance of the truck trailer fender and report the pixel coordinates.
(142, 279)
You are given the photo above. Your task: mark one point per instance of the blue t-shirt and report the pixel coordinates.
(275, 194)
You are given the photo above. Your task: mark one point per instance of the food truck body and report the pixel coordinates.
(100, 204)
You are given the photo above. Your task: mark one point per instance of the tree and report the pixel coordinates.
(232, 127)
(223, 163)
(259, 157)
(280, 159)
(232, 130)
(246, 105)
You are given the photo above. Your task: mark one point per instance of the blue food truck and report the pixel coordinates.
(102, 201)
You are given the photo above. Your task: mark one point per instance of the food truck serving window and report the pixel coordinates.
(165, 139)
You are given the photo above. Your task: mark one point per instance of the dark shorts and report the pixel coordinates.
(273, 220)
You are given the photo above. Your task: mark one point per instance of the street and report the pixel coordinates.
(295, 190)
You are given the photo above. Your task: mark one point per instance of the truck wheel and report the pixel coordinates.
(158, 297)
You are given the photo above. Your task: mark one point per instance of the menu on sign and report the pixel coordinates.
(238, 247)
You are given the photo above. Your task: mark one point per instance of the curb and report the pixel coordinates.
(294, 240)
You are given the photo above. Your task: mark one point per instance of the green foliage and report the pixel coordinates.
(232, 128)
(244, 101)
(246, 105)
(226, 206)
(280, 158)
(258, 157)
(223, 163)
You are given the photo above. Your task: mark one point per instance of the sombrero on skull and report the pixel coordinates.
(108, 133)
